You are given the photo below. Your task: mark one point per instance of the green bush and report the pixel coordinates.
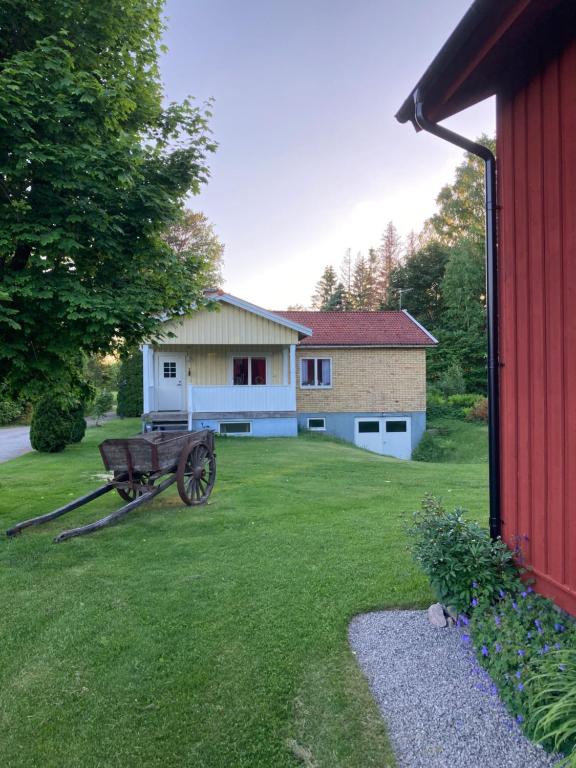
(9, 411)
(130, 402)
(459, 557)
(451, 406)
(77, 423)
(429, 448)
(50, 428)
(452, 381)
(103, 403)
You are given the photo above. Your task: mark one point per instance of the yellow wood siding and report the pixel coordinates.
(228, 325)
(211, 365)
(390, 380)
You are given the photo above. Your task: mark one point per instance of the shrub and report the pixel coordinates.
(103, 402)
(77, 423)
(459, 557)
(130, 386)
(452, 381)
(478, 411)
(50, 428)
(517, 640)
(429, 448)
(9, 411)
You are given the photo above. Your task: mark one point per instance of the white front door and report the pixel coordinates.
(368, 434)
(397, 437)
(170, 377)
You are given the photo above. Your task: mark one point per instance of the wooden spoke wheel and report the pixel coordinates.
(129, 494)
(196, 474)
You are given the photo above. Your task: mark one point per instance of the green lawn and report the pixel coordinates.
(207, 637)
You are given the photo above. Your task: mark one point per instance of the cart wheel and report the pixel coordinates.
(196, 474)
(129, 494)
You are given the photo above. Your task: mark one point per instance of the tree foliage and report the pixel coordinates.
(130, 400)
(325, 288)
(461, 214)
(93, 170)
(192, 237)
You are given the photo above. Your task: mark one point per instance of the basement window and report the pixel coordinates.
(318, 425)
(235, 427)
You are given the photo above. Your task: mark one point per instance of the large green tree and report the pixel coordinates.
(93, 171)
(193, 237)
(461, 213)
(324, 290)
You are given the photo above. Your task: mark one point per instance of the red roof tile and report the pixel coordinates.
(352, 329)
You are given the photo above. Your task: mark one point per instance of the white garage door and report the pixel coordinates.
(390, 435)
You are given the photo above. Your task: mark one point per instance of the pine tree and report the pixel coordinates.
(362, 289)
(325, 288)
(389, 251)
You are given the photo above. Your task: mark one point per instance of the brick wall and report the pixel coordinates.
(367, 380)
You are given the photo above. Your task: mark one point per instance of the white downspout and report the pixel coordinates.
(293, 374)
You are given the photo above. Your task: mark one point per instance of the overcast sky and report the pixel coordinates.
(311, 160)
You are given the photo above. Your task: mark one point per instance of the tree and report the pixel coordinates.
(461, 214)
(193, 237)
(346, 278)
(325, 288)
(463, 334)
(93, 171)
(419, 281)
(389, 251)
(130, 397)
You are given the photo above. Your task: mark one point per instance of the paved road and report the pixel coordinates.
(14, 441)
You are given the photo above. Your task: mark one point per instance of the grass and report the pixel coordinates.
(212, 637)
(459, 441)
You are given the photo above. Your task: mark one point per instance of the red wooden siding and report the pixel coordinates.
(537, 195)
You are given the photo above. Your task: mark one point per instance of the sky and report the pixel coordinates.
(311, 160)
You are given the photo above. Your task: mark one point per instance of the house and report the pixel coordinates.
(243, 370)
(524, 53)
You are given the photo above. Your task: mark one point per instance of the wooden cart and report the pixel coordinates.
(143, 467)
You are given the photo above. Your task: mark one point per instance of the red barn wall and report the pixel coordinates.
(537, 258)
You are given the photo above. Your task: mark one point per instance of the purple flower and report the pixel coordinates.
(465, 638)
(523, 594)
(546, 648)
(521, 652)
(559, 627)
(498, 647)
(497, 620)
(557, 646)
(514, 605)
(518, 674)
(529, 635)
(520, 686)
(464, 619)
(530, 590)
(502, 593)
(519, 719)
(484, 651)
(474, 602)
(474, 585)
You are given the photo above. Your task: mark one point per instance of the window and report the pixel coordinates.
(316, 372)
(368, 426)
(235, 428)
(249, 371)
(170, 370)
(395, 426)
(317, 424)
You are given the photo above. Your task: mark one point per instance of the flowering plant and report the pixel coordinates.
(455, 553)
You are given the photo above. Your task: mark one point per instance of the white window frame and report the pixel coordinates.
(316, 386)
(317, 418)
(250, 357)
(234, 434)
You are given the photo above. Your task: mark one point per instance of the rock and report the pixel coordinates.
(436, 615)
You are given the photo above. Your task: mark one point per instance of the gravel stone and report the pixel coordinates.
(441, 709)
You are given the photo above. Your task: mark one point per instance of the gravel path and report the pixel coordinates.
(441, 709)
